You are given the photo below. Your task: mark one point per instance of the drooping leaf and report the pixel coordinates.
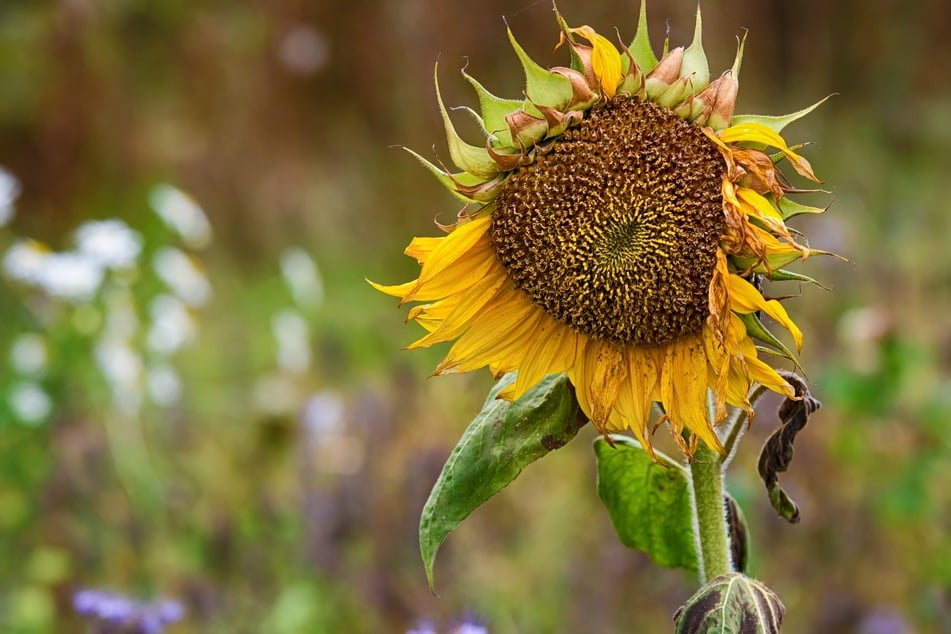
(777, 453)
(503, 439)
(648, 501)
(739, 534)
(731, 603)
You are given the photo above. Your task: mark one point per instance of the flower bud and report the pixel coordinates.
(731, 603)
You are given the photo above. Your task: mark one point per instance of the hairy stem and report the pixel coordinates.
(713, 545)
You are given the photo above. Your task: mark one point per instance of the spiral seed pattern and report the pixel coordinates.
(614, 230)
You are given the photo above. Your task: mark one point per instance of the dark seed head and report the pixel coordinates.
(614, 230)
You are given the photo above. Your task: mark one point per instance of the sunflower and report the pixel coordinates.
(619, 224)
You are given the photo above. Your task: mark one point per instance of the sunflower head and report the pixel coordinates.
(619, 223)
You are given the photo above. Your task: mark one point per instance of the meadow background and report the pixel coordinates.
(221, 414)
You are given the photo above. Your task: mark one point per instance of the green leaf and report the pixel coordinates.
(739, 531)
(502, 440)
(777, 123)
(649, 502)
(731, 604)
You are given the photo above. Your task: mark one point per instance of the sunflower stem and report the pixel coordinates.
(737, 424)
(713, 545)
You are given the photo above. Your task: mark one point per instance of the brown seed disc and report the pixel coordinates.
(614, 230)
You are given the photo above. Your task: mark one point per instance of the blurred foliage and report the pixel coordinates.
(281, 490)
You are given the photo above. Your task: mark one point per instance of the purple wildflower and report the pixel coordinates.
(469, 625)
(116, 614)
(423, 627)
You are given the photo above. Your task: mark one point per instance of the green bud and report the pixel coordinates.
(731, 603)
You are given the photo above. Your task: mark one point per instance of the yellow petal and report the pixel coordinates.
(633, 405)
(758, 133)
(605, 60)
(760, 207)
(745, 299)
(718, 367)
(683, 390)
(764, 374)
(543, 356)
(497, 334)
(396, 290)
(454, 246)
(627, 415)
(597, 374)
(421, 247)
(455, 316)
(468, 270)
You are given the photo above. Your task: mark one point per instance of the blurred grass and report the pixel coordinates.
(259, 523)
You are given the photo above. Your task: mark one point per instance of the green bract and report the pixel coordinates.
(557, 98)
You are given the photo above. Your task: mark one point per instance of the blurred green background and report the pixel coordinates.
(223, 414)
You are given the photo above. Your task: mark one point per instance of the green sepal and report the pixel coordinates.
(776, 123)
(632, 76)
(503, 439)
(626, 62)
(542, 86)
(576, 62)
(527, 128)
(790, 208)
(493, 139)
(756, 329)
(674, 94)
(782, 275)
(777, 261)
(695, 60)
(463, 185)
(731, 602)
(773, 262)
(654, 87)
(633, 82)
(494, 110)
(738, 60)
(697, 108)
(771, 352)
(471, 158)
(640, 48)
(648, 501)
